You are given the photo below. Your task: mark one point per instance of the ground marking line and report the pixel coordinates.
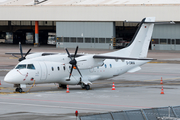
(35, 105)
(69, 102)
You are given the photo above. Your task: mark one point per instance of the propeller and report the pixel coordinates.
(23, 58)
(73, 62)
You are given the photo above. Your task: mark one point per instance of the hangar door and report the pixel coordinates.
(85, 34)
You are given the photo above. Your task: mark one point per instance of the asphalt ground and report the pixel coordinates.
(133, 90)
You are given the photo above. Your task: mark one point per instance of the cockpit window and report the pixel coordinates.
(21, 66)
(30, 66)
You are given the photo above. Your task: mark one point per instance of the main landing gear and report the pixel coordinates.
(87, 87)
(62, 86)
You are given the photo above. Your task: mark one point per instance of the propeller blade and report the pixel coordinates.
(78, 70)
(71, 71)
(73, 62)
(20, 47)
(28, 52)
(68, 53)
(14, 56)
(75, 52)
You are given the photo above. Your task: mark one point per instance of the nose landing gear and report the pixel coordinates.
(18, 88)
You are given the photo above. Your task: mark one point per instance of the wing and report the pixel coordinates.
(122, 58)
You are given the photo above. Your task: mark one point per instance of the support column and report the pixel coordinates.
(36, 44)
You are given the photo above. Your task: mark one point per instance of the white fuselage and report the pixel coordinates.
(46, 71)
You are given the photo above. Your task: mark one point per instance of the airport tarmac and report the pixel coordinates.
(133, 90)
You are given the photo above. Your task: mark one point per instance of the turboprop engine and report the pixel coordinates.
(87, 61)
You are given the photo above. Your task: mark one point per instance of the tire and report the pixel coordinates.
(20, 90)
(83, 87)
(63, 86)
(87, 87)
(17, 90)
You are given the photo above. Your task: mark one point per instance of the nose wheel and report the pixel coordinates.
(19, 90)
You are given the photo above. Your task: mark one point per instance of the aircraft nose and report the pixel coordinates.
(8, 78)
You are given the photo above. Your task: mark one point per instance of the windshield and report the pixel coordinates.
(30, 66)
(21, 66)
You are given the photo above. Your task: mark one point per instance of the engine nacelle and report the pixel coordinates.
(87, 61)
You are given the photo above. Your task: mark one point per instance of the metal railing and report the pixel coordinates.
(162, 113)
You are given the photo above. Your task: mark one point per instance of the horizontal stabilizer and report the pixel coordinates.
(122, 58)
(134, 69)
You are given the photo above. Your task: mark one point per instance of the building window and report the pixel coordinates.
(101, 40)
(66, 39)
(87, 40)
(163, 41)
(96, 40)
(155, 41)
(169, 41)
(92, 40)
(59, 39)
(80, 40)
(108, 40)
(177, 41)
(73, 39)
(3, 22)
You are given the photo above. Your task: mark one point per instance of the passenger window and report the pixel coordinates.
(30, 66)
(64, 68)
(97, 67)
(105, 66)
(110, 66)
(52, 69)
(58, 68)
(21, 66)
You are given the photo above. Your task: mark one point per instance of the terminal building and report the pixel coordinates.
(87, 23)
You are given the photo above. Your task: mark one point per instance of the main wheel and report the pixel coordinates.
(83, 86)
(87, 87)
(20, 90)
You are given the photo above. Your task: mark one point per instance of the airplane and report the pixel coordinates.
(82, 69)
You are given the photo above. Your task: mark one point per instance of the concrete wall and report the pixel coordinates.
(90, 13)
(85, 29)
(165, 31)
